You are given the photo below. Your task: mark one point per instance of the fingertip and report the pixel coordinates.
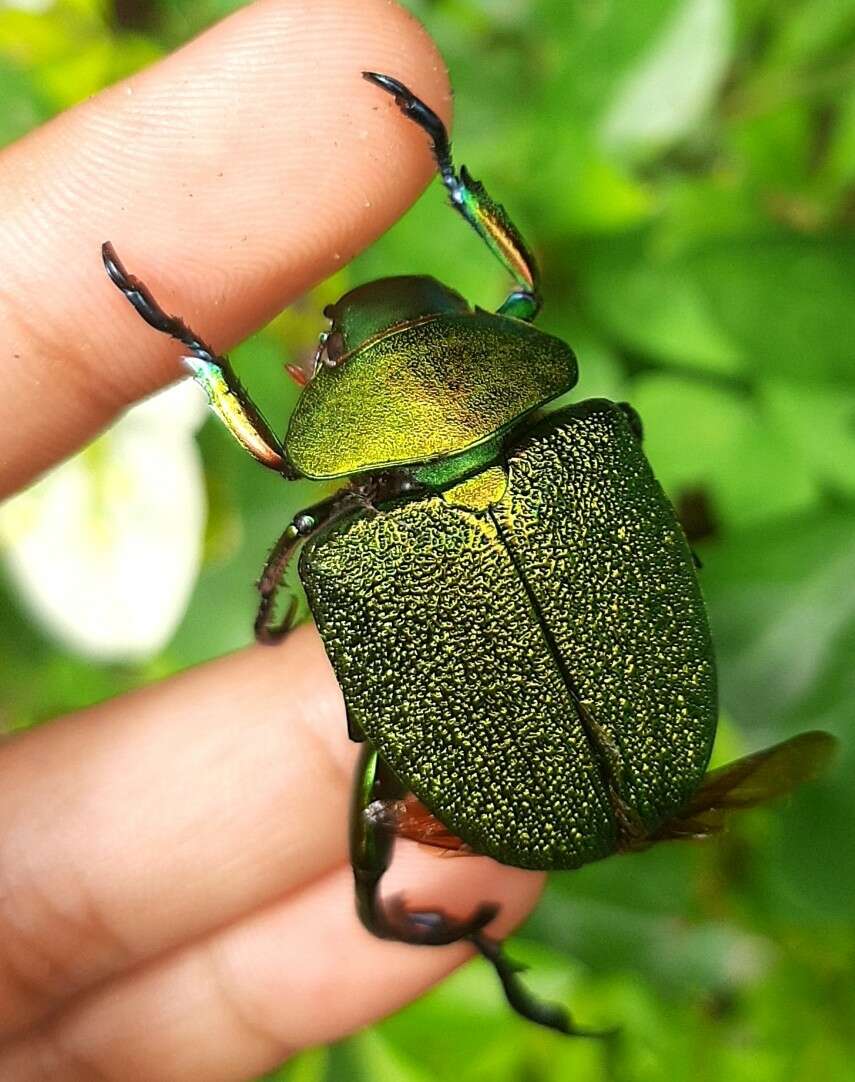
(231, 176)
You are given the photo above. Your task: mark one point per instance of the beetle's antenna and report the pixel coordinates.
(470, 198)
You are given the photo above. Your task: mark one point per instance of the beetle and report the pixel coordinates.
(505, 593)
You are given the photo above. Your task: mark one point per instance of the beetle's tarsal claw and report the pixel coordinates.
(551, 1015)
(132, 288)
(112, 264)
(385, 81)
(420, 113)
(272, 634)
(405, 99)
(430, 928)
(141, 299)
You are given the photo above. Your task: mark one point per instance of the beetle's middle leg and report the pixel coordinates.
(375, 815)
(305, 523)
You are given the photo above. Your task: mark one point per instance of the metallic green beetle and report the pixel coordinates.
(505, 594)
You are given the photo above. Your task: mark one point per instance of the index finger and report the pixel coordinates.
(232, 175)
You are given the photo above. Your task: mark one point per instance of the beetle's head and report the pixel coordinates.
(379, 308)
(409, 373)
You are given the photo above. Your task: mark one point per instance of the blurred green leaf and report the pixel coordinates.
(592, 48)
(813, 29)
(309, 1066)
(673, 85)
(788, 301)
(380, 1059)
(653, 304)
(783, 612)
(701, 436)
(782, 305)
(668, 951)
(819, 424)
(24, 105)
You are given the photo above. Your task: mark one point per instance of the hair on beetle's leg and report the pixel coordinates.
(268, 629)
(470, 198)
(377, 798)
(226, 395)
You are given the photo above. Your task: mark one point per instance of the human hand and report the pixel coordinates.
(174, 896)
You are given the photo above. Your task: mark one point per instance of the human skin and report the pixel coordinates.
(175, 900)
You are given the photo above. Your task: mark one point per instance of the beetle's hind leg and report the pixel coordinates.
(544, 1013)
(377, 796)
(377, 805)
(471, 199)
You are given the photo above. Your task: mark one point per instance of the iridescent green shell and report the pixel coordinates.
(529, 653)
(431, 388)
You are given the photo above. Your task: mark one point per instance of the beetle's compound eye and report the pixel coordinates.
(334, 348)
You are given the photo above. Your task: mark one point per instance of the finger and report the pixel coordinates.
(138, 824)
(230, 176)
(298, 974)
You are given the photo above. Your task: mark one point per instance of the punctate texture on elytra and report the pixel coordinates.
(539, 672)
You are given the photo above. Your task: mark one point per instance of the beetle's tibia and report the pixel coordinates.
(470, 198)
(230, 402)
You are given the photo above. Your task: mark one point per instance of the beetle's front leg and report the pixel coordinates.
(378, 805)
(226, 395)
(473, 202)
(304, 525)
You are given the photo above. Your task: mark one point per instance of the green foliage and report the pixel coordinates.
(686, 171)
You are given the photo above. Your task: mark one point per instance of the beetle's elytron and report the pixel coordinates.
(506, 596)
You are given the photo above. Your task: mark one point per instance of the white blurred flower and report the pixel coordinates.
(34, 7)
(105, 549)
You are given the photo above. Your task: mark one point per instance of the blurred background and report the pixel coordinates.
(685, 170)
